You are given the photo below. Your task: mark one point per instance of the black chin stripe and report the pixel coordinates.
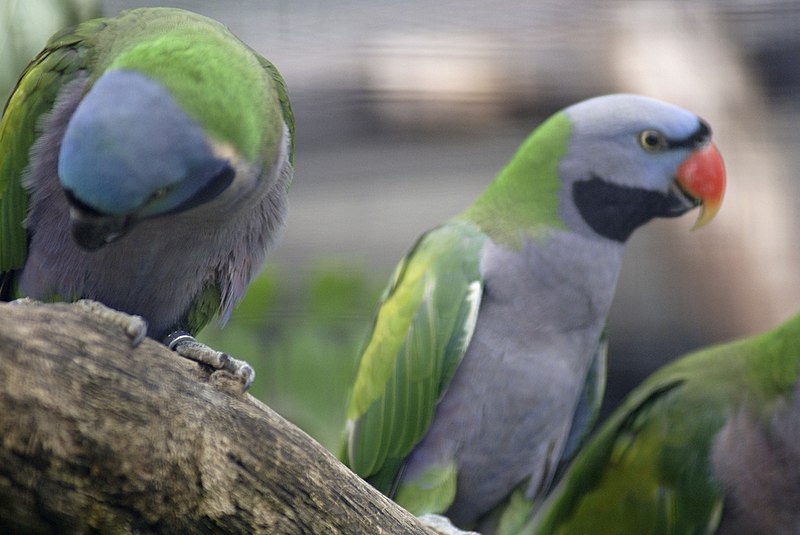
(615, 211)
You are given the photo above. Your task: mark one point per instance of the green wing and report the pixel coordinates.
(62, 59)
(421, 330)
(647, 470)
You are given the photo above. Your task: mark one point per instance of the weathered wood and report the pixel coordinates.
(101, 437)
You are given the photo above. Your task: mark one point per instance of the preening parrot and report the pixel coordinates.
(144, 163)
(709, 444)
(486, 362)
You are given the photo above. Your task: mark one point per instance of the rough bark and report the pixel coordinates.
(98, 436)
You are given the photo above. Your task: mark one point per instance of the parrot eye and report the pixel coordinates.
(158, 194)
(652, 140)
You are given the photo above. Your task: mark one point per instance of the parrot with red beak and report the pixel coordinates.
(486, 362)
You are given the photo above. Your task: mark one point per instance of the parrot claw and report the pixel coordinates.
(134, 326)
(188, 347)
(441, 524)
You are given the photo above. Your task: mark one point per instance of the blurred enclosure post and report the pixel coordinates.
(405, 111)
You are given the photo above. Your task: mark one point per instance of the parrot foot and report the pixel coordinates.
(441, 524)
(135, 327)
(188, 347)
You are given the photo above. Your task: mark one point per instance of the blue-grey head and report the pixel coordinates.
(130, 153)
(632, 158)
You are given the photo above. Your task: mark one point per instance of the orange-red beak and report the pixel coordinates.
(702, 176)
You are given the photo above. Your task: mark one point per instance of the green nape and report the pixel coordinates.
(13, 237)
(523, 198)
(213, 76)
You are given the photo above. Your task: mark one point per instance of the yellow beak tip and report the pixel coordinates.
(707, 213)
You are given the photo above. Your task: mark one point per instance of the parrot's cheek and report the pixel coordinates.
(91, 232)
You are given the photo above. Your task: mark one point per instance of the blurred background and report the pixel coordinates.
(406, 110)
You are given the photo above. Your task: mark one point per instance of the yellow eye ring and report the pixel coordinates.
(652, 140)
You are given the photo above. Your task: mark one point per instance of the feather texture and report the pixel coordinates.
(176, 266)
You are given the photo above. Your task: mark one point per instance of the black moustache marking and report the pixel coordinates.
(615, 211)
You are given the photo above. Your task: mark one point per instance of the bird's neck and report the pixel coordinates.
(523, 200)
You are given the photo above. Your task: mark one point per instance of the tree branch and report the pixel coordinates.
(99, 436)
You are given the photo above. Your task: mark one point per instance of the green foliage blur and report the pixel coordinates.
(303, 340)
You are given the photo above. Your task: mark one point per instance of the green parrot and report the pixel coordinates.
(145, 162)
(707, 444)
(486, 361)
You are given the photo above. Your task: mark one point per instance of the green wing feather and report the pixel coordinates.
(641, 444)
(420, 333)
(62, 59)
(648, 468)
(203, 308)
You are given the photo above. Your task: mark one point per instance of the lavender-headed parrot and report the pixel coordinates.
(144, 164)
(708, 444)
(486, 361)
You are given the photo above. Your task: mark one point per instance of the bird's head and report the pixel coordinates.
(187, 118)
(630, 159)
(129, 153)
